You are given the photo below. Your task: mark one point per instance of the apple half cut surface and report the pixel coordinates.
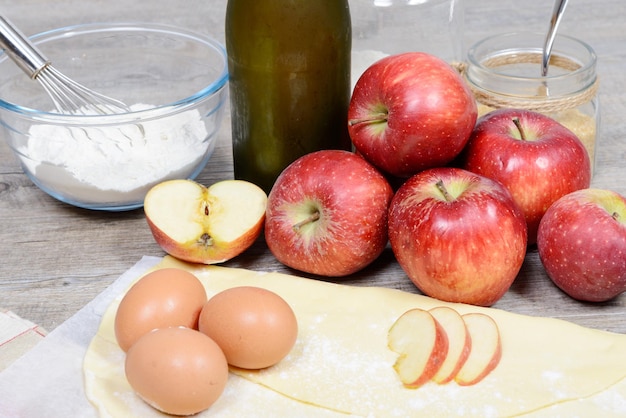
(422, 345)
(206, 225)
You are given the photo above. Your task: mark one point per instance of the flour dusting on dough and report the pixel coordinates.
(341, 361)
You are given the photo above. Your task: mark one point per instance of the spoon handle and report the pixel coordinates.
(19, 48)
(557, 14)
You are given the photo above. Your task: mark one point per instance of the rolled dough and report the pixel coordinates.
(341, 366)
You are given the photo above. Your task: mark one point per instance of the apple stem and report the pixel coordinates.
(312, 218)
(518, 125)
(374, 118)
(615, 216)
(442, 188)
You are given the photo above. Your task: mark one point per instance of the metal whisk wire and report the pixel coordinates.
(68, 96)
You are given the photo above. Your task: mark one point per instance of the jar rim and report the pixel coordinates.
(578, 58)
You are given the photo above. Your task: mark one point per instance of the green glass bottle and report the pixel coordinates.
(289, 65)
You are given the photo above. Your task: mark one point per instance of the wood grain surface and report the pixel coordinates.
(55, 258)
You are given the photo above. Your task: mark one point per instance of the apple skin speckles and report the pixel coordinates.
(327, 214)
(582, 244)
(465, 245)
(537, 159)
(410, 112)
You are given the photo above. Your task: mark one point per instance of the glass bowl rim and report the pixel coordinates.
(118, 27)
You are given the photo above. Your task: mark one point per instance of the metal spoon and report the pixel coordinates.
(557, 14)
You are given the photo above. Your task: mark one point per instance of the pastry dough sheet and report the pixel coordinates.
(341, 366)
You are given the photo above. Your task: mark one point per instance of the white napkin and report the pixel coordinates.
(48, 380)
(17, 336)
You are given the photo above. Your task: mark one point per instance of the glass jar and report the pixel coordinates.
(504, 71)
(289, 67)
(386, 27)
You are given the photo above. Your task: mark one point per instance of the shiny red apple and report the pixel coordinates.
(327, 214)
(409, 112)
(536, 158)
(459, 236)
(582, 244)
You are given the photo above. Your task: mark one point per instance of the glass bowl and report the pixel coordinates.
(174, 82)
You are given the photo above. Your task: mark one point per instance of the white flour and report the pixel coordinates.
(104, 165)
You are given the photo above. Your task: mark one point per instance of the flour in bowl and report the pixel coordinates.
(109, 164)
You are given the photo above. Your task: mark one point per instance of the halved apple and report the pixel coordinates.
(205, 225)
(486, 349)
(459, 343)
(421, 344)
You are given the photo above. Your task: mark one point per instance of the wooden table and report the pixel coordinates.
(55, 258)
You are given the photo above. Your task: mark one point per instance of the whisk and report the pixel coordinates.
(68, 96)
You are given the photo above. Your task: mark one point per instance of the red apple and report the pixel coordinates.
(532, 155)
(459, 236)
(582, 244)
(327, 214)
(409, 112)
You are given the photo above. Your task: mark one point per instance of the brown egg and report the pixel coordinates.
(254, 327)
(163, 298)
(177, 370)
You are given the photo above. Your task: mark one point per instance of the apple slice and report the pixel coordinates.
(205, 225)
(486, 349)
(422, 345)
(459, 343)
